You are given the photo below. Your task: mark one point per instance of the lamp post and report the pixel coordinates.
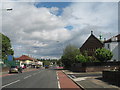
(8, 9)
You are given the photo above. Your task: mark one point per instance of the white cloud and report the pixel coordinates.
(36, 31)
(99, 17)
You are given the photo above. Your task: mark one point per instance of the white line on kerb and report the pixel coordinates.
(27, 76)
(10, 83)
(58, 84)
(58, 80)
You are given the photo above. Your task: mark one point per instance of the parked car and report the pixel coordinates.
(38, 66)
(15, 69)
(46, 66)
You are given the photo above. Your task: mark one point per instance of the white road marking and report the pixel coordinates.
(80, 79)
(73, 76)
(39, 72)
(27, 76)
(10, 83)
(34, 73)
(58, 80)
(57, 76)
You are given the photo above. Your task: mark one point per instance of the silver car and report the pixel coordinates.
(13, 69)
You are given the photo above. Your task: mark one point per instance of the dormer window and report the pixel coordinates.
(114, 39)
(108, 46)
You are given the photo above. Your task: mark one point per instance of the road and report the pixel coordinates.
(45, 78)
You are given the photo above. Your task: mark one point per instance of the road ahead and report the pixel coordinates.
(44, 78)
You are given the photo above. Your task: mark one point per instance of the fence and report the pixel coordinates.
(11, 63)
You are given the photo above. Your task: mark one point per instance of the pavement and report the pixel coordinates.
(90, 80)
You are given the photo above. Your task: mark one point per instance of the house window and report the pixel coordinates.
(108, 46)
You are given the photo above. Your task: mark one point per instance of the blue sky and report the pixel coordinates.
(59, 5)
(52, 4)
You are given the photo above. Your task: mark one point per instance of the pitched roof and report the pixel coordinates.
(24, 57)
(91, 41)
(113, 39)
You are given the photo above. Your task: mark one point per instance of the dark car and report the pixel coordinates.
(46, 66)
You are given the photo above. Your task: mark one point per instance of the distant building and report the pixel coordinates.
(113, 44)
(24, 59)
(91, 44)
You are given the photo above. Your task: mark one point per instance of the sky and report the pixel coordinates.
(44, 29)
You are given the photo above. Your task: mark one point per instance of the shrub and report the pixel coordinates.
(80, 58)
(103, 54)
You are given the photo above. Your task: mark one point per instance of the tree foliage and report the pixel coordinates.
(103, 54)
(84, 58)
(46, 62)
(69, 55)
(59, 62)
(6, 46)
(80, 58)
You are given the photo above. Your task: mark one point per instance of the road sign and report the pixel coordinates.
(10, 58)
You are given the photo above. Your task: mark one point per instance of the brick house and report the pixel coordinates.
(24, 59)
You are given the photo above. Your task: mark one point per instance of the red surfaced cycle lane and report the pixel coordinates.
(66, 82)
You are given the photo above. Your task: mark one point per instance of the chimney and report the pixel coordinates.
(104, 39)
(91, 32)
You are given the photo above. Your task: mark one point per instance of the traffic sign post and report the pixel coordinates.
(10, 58)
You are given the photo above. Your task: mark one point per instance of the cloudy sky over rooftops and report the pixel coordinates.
(43, 29)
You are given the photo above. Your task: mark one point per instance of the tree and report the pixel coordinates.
(89, 58)
(6, 46)
(46, 62)
(103, 54)
(69, 54)
(59, 62)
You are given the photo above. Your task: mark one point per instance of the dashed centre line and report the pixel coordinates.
(19, 80)
(10, 83)
(27, 76)
(34, 73)
(58, 80)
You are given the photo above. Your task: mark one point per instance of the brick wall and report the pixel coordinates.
(112, 77)
(94, 67)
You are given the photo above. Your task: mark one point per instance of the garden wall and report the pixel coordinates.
(112, 77)
(94, 66)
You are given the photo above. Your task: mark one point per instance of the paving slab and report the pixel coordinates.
(89, 82)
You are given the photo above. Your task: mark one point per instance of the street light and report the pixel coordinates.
(9, 9)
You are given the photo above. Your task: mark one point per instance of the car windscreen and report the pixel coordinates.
(13, 66)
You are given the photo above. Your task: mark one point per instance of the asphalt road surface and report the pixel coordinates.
(45, 78)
